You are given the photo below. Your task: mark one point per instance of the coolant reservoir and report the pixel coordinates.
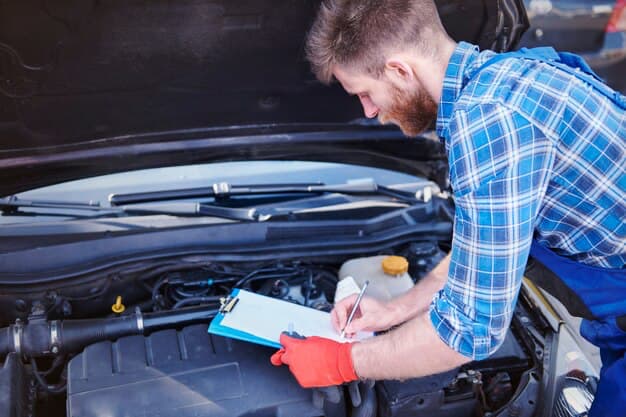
(388, 276)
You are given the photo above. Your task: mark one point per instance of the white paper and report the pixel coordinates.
(267, 318)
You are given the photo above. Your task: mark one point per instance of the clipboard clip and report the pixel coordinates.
(227, 304)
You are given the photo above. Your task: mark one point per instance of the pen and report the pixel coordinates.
(354, 307)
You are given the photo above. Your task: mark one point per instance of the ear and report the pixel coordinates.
(399, 71)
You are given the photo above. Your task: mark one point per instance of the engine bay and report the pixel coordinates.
(97, 363)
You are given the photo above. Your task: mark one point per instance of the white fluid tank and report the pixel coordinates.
(387, 275)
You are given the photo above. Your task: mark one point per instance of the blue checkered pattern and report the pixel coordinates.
(533, 152)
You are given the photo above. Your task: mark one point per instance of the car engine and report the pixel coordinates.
(174, 367)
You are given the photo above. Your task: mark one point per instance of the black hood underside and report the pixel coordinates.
(84, 78)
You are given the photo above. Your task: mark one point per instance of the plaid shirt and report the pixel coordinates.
(533, 153)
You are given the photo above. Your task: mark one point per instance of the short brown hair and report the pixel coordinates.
(360, 33)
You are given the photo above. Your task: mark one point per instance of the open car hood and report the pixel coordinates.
(93, 87)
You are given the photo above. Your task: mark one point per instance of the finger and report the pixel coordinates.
(350, 335)
(334, 320)
(342, 308)
(357, 324)
(338, 315)
(276, 358)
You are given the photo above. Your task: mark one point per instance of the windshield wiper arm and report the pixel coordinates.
(251, 214)
(12, 203)
(223, 190)
(197, 209)
(124, 203)
(10, 206)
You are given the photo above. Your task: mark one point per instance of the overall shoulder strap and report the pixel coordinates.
(565, 61)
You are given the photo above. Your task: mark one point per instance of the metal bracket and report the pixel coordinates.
(227, 304)
(17, 337)
(139, 319)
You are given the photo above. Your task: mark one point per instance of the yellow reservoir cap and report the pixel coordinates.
(118, 307)
(395, 265)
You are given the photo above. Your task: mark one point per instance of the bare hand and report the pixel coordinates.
(371, 315)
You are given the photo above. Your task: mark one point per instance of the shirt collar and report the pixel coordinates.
(461, 59)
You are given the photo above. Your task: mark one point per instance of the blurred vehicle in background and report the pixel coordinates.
(595, 29)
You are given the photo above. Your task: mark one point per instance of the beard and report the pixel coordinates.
(412, 112)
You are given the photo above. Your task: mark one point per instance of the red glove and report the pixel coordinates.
(316, 361)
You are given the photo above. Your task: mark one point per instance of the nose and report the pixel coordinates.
(369, 108)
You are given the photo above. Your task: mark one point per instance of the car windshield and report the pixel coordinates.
(97, 190)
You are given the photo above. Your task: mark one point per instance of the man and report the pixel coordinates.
(536, 160)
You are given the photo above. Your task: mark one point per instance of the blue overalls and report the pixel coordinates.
(596, 294)
(603, 292)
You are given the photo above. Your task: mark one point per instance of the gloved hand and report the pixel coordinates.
(371, 315)
(316, 361)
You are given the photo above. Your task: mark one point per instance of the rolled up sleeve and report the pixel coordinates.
(499, 171)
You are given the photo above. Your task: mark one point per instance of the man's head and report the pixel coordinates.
(392, 54)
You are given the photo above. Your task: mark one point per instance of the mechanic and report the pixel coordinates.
(536, 155)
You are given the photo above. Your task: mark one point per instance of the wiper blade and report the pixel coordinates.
(10, 206)
(12, 203)
(224, 190)
(126, 204)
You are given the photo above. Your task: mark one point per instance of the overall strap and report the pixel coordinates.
(565, 61)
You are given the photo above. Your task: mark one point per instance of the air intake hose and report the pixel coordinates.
(44, 338)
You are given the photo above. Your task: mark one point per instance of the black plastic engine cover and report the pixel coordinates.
(183, 373)
(426, 396)
(423, 396)
(14, 391)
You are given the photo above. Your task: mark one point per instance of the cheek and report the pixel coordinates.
(385, 100)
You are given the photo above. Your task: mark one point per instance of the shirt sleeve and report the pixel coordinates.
(499, 172)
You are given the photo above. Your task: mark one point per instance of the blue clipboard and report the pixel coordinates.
(217, 328)
(260, 319)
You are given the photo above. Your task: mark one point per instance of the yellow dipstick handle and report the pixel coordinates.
(118, 307)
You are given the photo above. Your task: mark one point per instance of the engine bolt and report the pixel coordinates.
(20, 305)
